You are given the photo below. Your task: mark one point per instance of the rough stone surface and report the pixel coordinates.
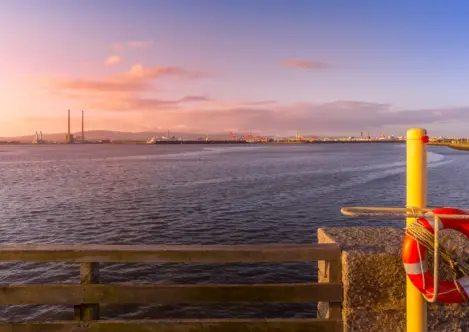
(394, 320)
(373, 278)
(381, 321)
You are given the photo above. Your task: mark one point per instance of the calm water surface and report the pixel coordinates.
(109, 194)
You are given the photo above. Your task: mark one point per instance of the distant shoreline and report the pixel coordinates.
(214, 142)
(455, 146)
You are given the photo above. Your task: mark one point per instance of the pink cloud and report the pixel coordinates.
(260, 103)
(305, 64)
(137, 79)
(113, 60)
(125, 92)
(138, 104)
(154, 72)
(189, 99)
(90, 85)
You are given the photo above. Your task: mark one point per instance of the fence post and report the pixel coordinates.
(330, 271)
(89, 274)
(416, 306)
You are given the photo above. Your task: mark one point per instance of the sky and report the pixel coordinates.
(269, 67)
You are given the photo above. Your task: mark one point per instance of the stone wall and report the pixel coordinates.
(374, 282)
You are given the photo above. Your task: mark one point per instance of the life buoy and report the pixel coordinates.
(413, 255)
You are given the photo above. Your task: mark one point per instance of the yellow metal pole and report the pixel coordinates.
(416, 197)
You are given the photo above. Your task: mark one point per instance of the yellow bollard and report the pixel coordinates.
(416, 197)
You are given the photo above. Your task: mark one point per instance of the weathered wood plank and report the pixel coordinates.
(199, 325)
(168, 293)
(330, 272)
(335, 276)
(170, 253)
(89, 274)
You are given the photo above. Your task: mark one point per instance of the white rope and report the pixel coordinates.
(421, 265)
(436, 255)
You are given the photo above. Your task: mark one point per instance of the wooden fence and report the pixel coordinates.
(89, 294)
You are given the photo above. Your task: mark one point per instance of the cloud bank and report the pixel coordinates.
(137, 79)
(340, 117)
(135, 94)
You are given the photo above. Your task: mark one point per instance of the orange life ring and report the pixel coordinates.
(413, 256)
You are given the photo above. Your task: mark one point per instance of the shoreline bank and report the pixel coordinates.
(208, 142)
(455, 146)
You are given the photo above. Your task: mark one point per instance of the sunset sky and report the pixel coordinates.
(273, 67)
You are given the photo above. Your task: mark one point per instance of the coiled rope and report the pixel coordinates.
(446, 251)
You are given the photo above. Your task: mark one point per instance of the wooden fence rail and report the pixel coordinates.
(89, 294)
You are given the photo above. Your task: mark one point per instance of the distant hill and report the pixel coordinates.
(116, 135)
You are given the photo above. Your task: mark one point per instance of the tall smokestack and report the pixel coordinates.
(82, 125)
(41, 135)
(69, 124)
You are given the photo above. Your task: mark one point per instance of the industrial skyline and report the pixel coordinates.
(71, 137)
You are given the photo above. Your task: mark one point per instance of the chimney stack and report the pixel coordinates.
(69, 125)
(82, 126)
(41, 135)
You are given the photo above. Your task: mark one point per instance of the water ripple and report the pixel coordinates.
(192, 195)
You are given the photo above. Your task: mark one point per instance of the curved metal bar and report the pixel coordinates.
(391, 213)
